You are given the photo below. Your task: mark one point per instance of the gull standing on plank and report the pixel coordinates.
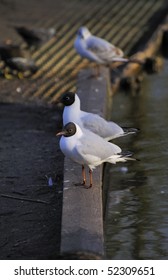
(88, 149)
(97, 49)
(93, 122)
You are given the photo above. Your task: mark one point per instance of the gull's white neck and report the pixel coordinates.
(71, 113)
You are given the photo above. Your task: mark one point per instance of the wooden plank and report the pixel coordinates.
(147, 51)
(82, 216)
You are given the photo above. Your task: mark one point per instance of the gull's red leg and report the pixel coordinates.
(97, 72)
(90, 175)
(83, 175)
(91, 182)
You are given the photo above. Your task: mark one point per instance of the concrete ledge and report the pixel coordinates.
(82, 214)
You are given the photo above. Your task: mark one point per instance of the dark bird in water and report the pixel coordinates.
(35, 37)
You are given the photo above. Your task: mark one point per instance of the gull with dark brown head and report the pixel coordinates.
(88, 149)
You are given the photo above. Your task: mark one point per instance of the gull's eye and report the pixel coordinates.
(70, 130)
(68, 99)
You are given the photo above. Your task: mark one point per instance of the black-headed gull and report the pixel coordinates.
(88, 149)
(93, 122)
(97, 49)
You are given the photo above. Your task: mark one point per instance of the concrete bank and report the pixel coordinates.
(82, 217)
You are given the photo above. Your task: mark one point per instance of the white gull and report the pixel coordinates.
(88, 149)
(97, 49)
(106, 129)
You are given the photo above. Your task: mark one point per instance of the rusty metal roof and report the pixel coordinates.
(121, 22)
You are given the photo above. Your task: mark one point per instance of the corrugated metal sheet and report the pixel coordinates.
(121, 22)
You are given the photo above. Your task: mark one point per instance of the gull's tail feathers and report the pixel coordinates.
(120, 59)
(121, 157)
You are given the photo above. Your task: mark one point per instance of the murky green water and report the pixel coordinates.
(136, 216)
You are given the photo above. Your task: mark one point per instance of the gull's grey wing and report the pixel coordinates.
(94, 147)
(98, 125)
(103, 49)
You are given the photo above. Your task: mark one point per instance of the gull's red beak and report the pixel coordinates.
(62, 132)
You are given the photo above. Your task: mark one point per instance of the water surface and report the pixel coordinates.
(136, 216)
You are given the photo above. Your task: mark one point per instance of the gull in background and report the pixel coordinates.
(88, 149)
(106, 129)
(97, 49)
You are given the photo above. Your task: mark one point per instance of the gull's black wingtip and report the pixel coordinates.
(128, 154)
(130, 130)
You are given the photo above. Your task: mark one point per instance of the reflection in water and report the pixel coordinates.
(136, 208)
